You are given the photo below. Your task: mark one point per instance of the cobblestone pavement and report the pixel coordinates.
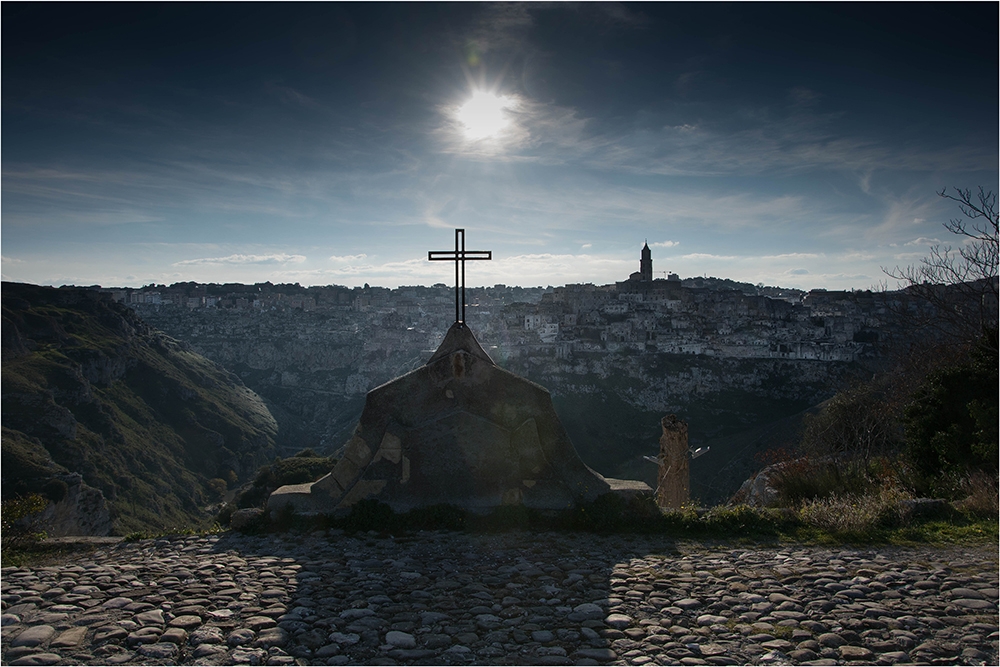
(515, 598)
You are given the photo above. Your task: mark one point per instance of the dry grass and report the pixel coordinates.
(982, 499)
(857, 514)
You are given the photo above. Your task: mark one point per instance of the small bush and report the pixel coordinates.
(951, 424)
(806, 479)
(982, 500)
(217, 487)
(860, 422)
(613, 513)
(225, 514)
(858, 515)
(55, 489)
(19, 516)
(298, 469)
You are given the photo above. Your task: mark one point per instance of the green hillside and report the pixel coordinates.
(88, 387)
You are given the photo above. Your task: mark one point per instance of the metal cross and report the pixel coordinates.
(459, 255)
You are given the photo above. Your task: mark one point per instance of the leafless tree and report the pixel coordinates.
(954, 292)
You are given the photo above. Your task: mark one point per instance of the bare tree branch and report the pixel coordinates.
(955, 293)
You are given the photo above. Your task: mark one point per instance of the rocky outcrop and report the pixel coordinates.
(81, 511)
(758, 490)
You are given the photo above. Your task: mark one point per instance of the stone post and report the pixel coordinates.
(673, 487)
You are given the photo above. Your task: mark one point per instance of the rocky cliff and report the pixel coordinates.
(101, 413)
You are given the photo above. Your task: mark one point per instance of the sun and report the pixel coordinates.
(483, 116)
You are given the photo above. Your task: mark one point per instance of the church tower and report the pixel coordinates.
(646, 264)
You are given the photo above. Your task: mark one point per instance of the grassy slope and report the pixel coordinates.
(87, 387)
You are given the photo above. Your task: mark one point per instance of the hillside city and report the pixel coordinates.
(696, 316)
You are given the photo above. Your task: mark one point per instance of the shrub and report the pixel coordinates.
(951, 424)
(217, 487)
(55, 489)
(858, 515)
(860, 422)
(295, 470)
(19, 520)
(981, 499)
(807, 479)
(225, 514)
(612, 513)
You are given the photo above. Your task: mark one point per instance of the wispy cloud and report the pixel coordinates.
(347, 258)
(904, 215)
(792, 139)
(792, 255)
(276, 258)
(709, 256)
(289, 95)
(665, 244)
(923, 240)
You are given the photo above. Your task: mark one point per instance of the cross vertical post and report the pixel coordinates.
(459, 255)
(460, 233)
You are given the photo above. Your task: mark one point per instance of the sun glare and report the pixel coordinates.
(483, 115)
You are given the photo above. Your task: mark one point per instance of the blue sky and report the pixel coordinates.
(794, 145)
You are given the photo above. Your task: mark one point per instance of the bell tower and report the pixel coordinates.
(646, 264)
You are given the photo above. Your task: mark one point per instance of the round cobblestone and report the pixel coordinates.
(456, 599)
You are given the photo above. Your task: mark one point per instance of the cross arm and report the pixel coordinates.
(452, 256)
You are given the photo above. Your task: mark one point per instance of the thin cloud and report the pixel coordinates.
(902, 215)
(276, 258)
(865, 182)
(292, 96)
(709, 256)
(792, 255)
(924, 241)
(665, 244)
(347, 258)
(745, 141)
